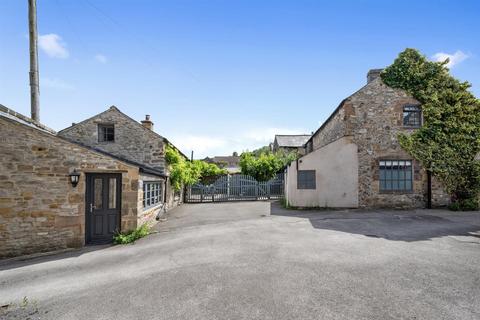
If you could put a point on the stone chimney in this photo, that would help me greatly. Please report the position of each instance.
(373, 74)
(147, 123)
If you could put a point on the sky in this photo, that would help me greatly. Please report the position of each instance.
(221, 76)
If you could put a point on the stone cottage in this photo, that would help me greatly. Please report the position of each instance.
(116, 134)
(56, 193)
(355, 160)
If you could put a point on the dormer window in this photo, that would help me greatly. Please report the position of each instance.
(106, 133)
(412, 116)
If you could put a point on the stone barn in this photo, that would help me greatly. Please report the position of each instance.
(355, 160)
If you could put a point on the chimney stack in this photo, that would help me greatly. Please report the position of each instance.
(373, 74)
(147, 123)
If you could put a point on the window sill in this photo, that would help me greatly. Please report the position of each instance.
(156, 206)
(396, 192)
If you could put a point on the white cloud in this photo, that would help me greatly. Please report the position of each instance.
(53, 45)
(454, 58)
(101, 58)
(55, 83)
(216, 145)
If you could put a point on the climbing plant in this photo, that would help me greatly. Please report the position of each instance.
(184, 172)
(449, 140)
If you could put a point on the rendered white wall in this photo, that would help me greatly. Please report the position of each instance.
(336, 166)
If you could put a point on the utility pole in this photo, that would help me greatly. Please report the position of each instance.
(34, 82)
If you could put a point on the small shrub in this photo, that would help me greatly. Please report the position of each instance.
(464, 205)
(454, 206)
(132, 236)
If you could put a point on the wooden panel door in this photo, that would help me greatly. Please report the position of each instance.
(103, 201)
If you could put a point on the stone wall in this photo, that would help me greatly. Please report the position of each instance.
(332, 130)
(39, 208)
(132, 141)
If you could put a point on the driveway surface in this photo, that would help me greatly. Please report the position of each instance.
(255, 260)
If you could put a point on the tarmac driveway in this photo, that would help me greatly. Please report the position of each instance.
(255, 260)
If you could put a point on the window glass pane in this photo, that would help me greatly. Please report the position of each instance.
(112, 193)
(408, 174)
(382, 185)
(388, 185)
(394, 174)
(382, 174)
(98, 192)
(408, 185)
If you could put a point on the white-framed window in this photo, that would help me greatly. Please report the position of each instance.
(396, 175)
(152, 193)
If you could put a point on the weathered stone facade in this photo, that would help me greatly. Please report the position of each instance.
(40, 210)
(133, 141)
(373, 117)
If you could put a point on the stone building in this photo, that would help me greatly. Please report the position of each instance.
(290, 142)
(42, 208)
(355, 160)
(117, 134)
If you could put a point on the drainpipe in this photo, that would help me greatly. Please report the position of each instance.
(429, 189)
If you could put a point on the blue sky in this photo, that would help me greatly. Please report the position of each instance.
(221, 76)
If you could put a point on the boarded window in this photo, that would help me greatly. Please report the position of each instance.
(306, 179)
(152, 193)
(412, 116)
(106, 133)
(396, 175)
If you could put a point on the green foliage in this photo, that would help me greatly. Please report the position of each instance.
(184, 172)
(132, 236)
(266, 165)
(464, 205)
(449, 139)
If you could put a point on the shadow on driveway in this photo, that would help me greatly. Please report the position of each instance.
(396, 225)
(22, 261)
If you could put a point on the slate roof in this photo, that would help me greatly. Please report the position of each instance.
(292, 140)
(230, 160)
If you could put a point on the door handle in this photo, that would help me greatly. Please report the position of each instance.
(92, 207)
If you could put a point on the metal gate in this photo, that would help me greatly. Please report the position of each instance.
(236, 187)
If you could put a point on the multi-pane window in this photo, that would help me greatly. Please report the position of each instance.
(152, 193)
(412, 116)
(396, 175)
(306, 179)
(106, 133)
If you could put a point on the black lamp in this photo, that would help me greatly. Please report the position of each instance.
(74, 177)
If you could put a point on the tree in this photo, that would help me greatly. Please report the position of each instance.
(449, 139)
(184, 172)
(266, 165)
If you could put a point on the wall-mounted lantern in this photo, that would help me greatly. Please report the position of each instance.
(74, 177)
